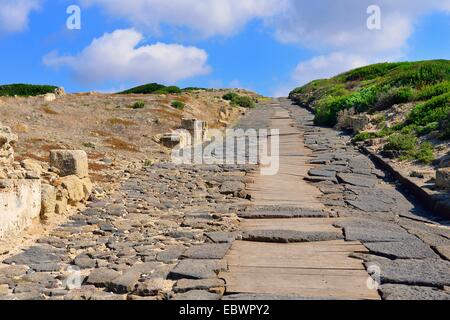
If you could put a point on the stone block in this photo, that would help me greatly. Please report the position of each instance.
(70, 162)
(20, 204)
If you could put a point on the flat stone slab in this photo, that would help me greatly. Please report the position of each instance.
(207, 251)
(321, 173)
(289, 236)
(197, 295)
(264, 297)
(367, 235)
(403, 292)
(102, 277)
(357, 180)
(370, 204)
(197, 269)
(34, 256)
(444, 251)
(222, 237)
(428, 272)
(185, 285)
(282, 214)
(402, 250)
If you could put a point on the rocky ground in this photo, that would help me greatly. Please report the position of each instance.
(409, 245)
(164, 233)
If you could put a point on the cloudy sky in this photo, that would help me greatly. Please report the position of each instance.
(269, 46)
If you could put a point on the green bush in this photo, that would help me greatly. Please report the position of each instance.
(230, 96)
(434, 110)
(178, 105)
(11, 90)
(401, 142)
(435, 90)
(445, 127)
(138, 105)
(244, 102)
(425, 154)
(152, 88)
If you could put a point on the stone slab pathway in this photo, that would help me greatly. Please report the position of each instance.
(303, 270)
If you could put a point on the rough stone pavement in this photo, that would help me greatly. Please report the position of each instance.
(164, 233)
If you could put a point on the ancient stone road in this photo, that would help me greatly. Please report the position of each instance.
(314, 231)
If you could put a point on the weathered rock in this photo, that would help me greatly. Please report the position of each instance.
(321, 173)
(74, 187)
(427, 272)
(125, 283)
(48, 201)
(357, 180)
(197, 269)
(34, 255)
(70, 162)
(185, 285)
(289, 236)
(403, 292)
(275, 214)
(153, 287)
(102, 277)
(443, 178)
(402, 250)
(197, 295)
(170, 253)
(49, 97)
(231, 187)
(207, 251)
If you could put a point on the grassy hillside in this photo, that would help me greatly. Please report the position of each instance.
(422, 87)
(11, 90)
(152, 88)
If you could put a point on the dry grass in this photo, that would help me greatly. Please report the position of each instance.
(98, 166)
(49, 110)
(21, 128)
(120, 121)
(119, 144)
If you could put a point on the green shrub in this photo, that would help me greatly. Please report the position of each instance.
(434, 110)
(425, 154)
(435, 90)
(152, 88)
(138, 105)
(178, 105)
(445, 127)
(11, 90)
(243, 101)
(401, 142)
(230, 96)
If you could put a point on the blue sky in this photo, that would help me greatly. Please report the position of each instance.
(269, 46)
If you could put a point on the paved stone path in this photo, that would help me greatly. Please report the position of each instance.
(301, 258)
(184, 232)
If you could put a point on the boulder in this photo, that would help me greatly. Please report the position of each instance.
(443, 178)
(59, 91)
(70, 162)
(75, 189)
(32, 165)
(49, 97)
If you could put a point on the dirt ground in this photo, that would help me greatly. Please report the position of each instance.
(107, 127)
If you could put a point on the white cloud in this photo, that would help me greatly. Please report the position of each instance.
(326, 66)
(14, 14)
(117, 57)
(206, 17)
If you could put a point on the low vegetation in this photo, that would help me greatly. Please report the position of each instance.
(152, 88)
(424, 87)
(178, 105)
(239, 100)
(138, 105)
(12, 90)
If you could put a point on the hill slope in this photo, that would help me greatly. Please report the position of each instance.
(407, 104)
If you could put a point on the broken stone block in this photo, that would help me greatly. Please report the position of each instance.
(49, 97)
(443, 178)
(75, 188)
(48, 201)
(70, 162)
